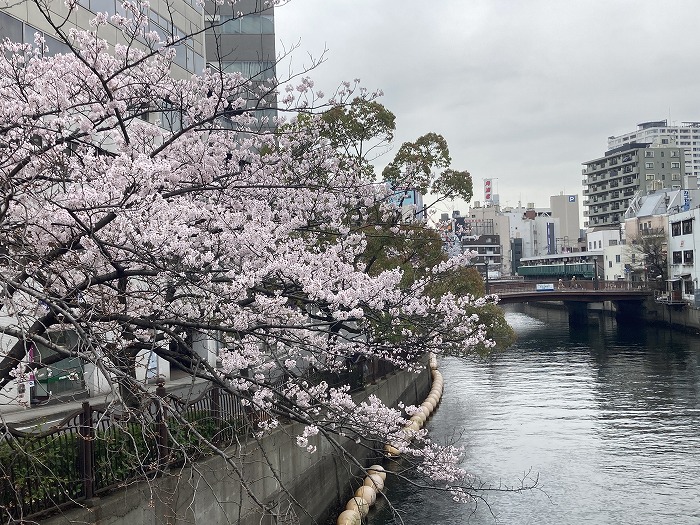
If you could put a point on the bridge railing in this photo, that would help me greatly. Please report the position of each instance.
(508, 287)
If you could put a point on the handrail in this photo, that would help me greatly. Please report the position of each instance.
(93, 450)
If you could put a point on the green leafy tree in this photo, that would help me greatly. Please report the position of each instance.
(363, 129)
(395, 242)
(425, 166)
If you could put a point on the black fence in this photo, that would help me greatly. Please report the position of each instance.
(93, 451)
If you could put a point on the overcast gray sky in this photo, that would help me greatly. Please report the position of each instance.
(524, 91)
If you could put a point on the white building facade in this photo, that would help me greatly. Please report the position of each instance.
(683, 240)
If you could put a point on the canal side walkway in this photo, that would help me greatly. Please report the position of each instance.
(50, 414)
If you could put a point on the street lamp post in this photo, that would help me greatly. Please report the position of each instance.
(486, 273)
(595, 269)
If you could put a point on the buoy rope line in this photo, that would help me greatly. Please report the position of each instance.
(358, 506)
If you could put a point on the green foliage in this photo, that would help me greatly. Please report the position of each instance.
(454, 183)
(39, 471)
(416, 163)
(124, 452)
(413, 249)
(498, 330)
(459, 281)
(359, 125)
(185, 436)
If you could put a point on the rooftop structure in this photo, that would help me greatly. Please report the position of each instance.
(686, 135)
(611, 182)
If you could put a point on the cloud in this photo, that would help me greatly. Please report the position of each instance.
(523, 91)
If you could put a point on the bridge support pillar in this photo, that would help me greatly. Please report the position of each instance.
(578, 312)
(628, 311)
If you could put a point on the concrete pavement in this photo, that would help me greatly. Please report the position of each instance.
(50, 414)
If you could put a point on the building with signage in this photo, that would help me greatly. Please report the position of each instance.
(488, 192)
(486, 229)
(566, 208)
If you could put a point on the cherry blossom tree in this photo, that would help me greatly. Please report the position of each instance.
(136, 237)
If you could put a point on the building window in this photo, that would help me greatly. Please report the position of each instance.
(650, 176)
(617, 258)
(677, 257)
(675, 176)
(649, 165)
(675, 165)
(246, 25)
(687, 226)
(609, 264)
(649, 154)
(674, 154)
(688, 285)
(258, 71)
(675, 229)
(688, 257)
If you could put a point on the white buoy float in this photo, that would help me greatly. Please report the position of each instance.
(367, 493)
(349, 517)
(358, 504)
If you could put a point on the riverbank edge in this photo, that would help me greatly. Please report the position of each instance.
(316, 483)
(682, 317)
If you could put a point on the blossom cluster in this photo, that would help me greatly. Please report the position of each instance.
(135, 237)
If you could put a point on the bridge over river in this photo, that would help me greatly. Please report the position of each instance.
(627, 296)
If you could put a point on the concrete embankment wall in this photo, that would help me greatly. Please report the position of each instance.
(677, 316)
(299, 487)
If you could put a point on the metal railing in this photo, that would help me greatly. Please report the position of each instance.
(94, 450)
(582, 285)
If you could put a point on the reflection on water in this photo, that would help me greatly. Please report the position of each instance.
(608, 417)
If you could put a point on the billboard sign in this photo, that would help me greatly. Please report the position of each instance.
(488, 194)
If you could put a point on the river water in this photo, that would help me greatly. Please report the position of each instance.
(606, 417)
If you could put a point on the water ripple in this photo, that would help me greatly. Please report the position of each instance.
(609, 419)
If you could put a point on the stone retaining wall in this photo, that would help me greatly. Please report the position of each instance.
(211, 493)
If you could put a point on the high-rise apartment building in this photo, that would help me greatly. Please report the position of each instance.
(686, 135)
(612, 181)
